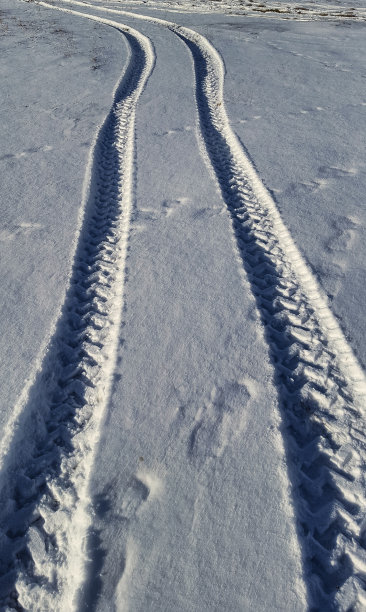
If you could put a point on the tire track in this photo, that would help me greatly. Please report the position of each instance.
(320, 384)
(44, 516)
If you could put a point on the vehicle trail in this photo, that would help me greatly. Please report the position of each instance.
(45, 513)
(321, 387)
(320, 384)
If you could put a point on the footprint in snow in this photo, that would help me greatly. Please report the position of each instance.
(22, 154)
(15, 230)
(145, 484)
(137, 492)
(333, 172)
(172, 132)
(172, 206)
(219, 421)
(344, 234)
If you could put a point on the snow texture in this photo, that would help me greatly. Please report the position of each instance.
(183, 419)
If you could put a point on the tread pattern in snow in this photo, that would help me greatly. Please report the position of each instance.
(321, 387)
(44, 520)
(321, 399)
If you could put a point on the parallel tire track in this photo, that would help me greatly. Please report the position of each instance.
(321, 386)
(44, 521)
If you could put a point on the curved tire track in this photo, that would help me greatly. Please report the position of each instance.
(43, 524)
(321, 386)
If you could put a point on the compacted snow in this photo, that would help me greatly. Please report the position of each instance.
(182, 330)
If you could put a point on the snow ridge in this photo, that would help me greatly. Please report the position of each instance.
(321, 386)
(45, 519)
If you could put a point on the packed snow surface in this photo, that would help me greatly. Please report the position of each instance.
(183, 288)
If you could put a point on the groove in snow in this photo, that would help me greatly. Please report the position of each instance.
(321, 386)
(44, 514)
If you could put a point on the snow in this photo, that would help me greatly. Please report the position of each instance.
(182, 395)
(286, 9)
(315, 124)
(179, 391)
(48, 123)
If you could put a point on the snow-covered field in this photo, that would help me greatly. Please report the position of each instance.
(183, 280)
